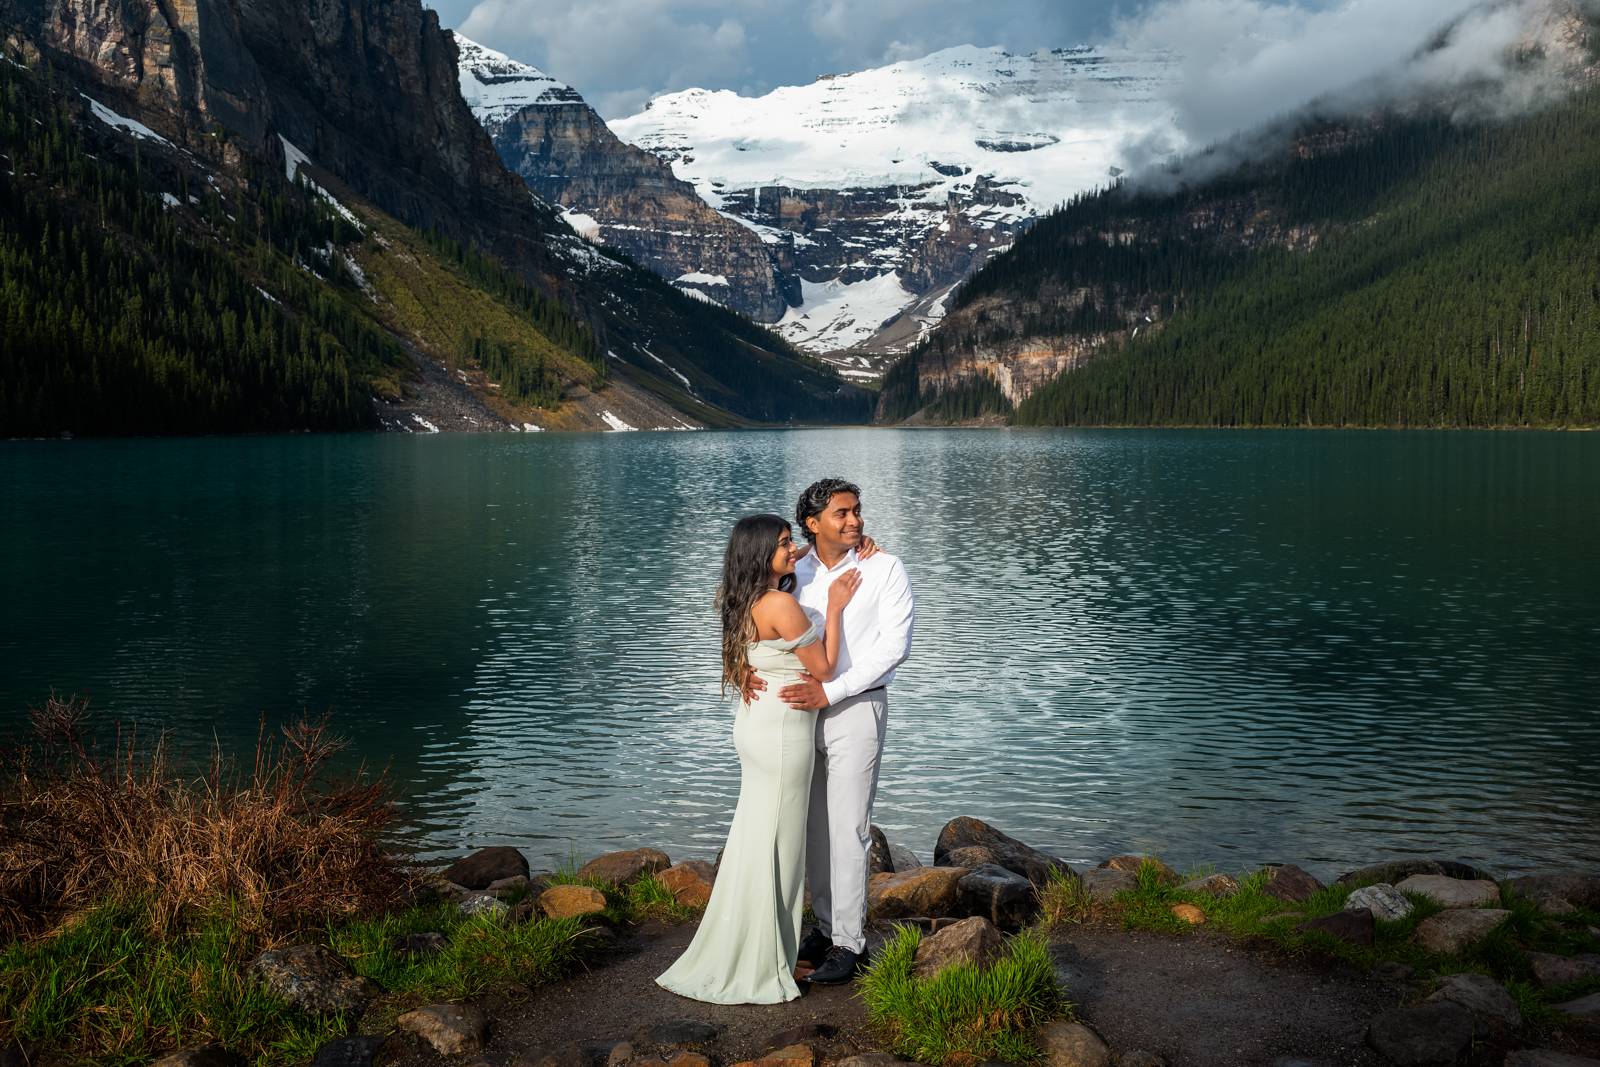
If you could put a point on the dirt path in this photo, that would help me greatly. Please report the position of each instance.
(1201, 1000)
(1206, 1000)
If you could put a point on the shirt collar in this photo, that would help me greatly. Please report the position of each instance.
(816, 561)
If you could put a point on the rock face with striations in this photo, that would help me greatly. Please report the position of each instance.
(999, 848)
(615, 193)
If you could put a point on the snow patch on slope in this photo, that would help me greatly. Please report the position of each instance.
(836, 314)
(132, 127)
(292, 160)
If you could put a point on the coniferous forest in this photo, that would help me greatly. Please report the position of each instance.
(1420, 273)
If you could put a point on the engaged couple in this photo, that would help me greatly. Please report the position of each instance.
(811, 637)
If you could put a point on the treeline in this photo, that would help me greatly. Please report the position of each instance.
(116, 319)
(1417, 273)
(1466, 294)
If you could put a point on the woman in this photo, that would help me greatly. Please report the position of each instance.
(745, 949)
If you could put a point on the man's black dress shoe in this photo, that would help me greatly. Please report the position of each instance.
(814, 948)
(840, 966)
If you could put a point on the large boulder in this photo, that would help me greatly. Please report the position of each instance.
(1558, 894)
(971, 856)
(925, 891)
(1133, 864)
(1392, 871)
(313, 979)
(486, 866)
(1072, 1045)
(1289, 883)
(1450, 892)
(1452, 932)
(689, 882)
(1584, 1013)
(1493, 1011)
(1003, 897)
(879, 859)
(452, 1029)
(1550, 969)
(1353, 927)
(1384, 901)
(571, 901)
(1216, 885)
(1435, 1032)
(904, 859)
(625, 868)
(973, 941)
(1008, 852)
(1101, 884)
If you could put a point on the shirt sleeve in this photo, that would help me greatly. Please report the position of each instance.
(896, 619)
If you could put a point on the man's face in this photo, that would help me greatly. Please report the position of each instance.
(840, 522)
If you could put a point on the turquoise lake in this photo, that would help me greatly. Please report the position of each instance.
(1226, 648)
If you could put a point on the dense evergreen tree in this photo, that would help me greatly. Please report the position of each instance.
(1418, 273)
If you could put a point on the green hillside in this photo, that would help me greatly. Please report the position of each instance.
(1421, 273)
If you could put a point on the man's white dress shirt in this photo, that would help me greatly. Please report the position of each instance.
(877, 622)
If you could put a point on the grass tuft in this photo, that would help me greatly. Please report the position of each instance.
(963, 1015)
(82, 823)
(1062, 900)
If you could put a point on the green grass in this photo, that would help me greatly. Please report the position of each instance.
(109, 989)
(1062, 901)
(643, 900)
(963, 1015)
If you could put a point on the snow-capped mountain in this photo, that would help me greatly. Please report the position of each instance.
(893, 184)
(495, 86)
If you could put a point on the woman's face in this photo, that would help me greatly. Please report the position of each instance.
(784, 555)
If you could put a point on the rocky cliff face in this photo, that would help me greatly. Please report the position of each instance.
(614, 193)
(368, 92)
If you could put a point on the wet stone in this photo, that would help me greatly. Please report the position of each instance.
(1351, 927)
(486, 866)
(1289, 883)
(1386, 903)
(1493, 1011)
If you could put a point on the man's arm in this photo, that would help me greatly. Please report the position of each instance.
(896, 619)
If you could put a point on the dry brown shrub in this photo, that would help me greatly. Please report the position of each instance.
(81, 824)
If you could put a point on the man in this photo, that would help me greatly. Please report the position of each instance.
(852, 712)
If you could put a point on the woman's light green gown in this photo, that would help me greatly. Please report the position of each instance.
(744, 951)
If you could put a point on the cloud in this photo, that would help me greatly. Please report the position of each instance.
(1251, 68)
(619, 53)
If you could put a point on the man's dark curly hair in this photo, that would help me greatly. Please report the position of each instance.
(814, 501)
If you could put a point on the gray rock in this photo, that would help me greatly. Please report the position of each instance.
(208, 1056)
(1216, 885)
(487, 865)
(1072, 1045)
(879, 858)
(313, 979)
(1103, 883)
(1353, 927)
(1557, 894)
(1550, 969)
(1543, 1057)
(904, 860)
(1493, 1011)
(482, 904)
(516, 885)
(1289, 883)
(677, 1032)
(1452, 892)
(348, 1052)
(1009, 853)
(428, 944)
(452, 1029)
(1432, 1033)
(1584, 1012)
(1452, 932)
(1003, 897)
(1386, 903)
(975, 941)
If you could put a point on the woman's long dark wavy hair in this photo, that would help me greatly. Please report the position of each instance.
(746, 572)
